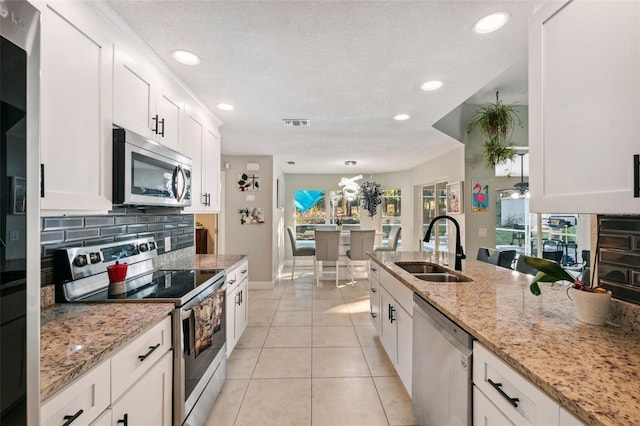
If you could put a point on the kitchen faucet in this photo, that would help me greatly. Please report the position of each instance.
(459, 252)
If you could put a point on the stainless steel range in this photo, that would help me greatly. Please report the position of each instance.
(199, 368)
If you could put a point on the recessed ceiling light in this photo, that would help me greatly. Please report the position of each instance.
(402, 117)
(350, 163)
(490, 22)
(225, 107)
(291, 163)
(432, 85)
(186, 57)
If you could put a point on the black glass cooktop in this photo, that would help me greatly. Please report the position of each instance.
(161, 284)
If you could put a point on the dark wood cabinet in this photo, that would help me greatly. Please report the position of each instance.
(201, 241)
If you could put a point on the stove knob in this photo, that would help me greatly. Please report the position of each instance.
(152, 245)
(94, 257)
(143, 247)
(80, 260)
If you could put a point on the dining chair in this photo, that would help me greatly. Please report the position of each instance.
(360, 242)
(297, 250)
(351, 227)
(392, 245)
(327, 243)
(503, 258)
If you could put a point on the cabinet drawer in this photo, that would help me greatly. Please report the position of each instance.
(533, 407)
(137, 357)
(402, 294)
(237, 274)
(85, 398)
(374, 271)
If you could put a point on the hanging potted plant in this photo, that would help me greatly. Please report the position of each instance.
(371, 197)
(496, 121)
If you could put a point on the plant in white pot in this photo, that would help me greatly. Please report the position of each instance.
(592, 303)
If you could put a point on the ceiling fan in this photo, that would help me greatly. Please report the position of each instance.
(521, 188)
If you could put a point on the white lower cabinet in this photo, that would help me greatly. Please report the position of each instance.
(237, 302)
(145, 403)
(502, 396)
(119, 391)
(374, 296)
(396, 325)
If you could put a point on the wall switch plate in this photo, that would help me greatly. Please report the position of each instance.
(251, 197)
(482, 232)
(14, 235)
(167, 244)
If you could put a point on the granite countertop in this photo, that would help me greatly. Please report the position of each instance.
(206, 261)
(74, 337)
(592, 371)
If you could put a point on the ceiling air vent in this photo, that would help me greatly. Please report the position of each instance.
(295, 122)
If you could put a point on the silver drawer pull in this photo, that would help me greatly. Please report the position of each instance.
(151, 349)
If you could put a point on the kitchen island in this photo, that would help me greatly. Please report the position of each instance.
(591, 371)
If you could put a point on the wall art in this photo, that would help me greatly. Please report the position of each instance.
(251, 215)
(249, 182)
(479, 195)
(454, 198)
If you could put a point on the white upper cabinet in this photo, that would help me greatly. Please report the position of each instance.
(76, 124)
(202, 145)
(584, 96)
(145, 103)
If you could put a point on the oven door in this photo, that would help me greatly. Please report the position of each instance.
(148, 173)
(203, 337)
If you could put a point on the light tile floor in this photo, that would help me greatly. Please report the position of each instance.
(310, 356)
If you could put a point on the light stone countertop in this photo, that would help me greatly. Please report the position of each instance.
(74, 337)
(591, 371)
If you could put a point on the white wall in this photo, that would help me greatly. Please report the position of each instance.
(449, 166)
(256, 241)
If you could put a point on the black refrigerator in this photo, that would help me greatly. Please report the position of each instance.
(19, 212)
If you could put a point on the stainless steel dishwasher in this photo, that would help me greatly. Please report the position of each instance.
(441, 374)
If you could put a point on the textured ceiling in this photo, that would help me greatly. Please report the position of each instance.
(347, 66)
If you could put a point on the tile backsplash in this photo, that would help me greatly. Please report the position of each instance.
(72, 231)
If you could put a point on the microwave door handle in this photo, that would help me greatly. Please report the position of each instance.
(179, 192)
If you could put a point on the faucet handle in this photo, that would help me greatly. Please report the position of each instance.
(461, 255)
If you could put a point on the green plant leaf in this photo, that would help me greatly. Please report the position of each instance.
(549, 271)
(535, 289)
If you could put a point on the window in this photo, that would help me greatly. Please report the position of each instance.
(348, 212)
(434, 198)
(391, 211)
(310, 211)
(564, 237)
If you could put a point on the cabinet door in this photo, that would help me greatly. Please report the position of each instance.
(232, 298)
(133, 96)
(170, 105)
(193, 144)
(148, 401)
(388, 324)
(211, 169)
(76, 84)
(485, 413)
(104, 419)
(242, 310)
(374, 304)
(584, 97)
(405, 347)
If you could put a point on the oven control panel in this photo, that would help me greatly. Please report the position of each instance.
(92, 260)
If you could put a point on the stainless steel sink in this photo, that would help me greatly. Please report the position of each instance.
(421, 267)
(442, 277)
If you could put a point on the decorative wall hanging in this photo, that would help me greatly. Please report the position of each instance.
(479, 195)
(249, 182)
(454, 198)
(371, 197)
(251, 215)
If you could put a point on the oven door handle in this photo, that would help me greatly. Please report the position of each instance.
(186, 314)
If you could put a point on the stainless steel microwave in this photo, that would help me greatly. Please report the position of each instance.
(148, 174)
